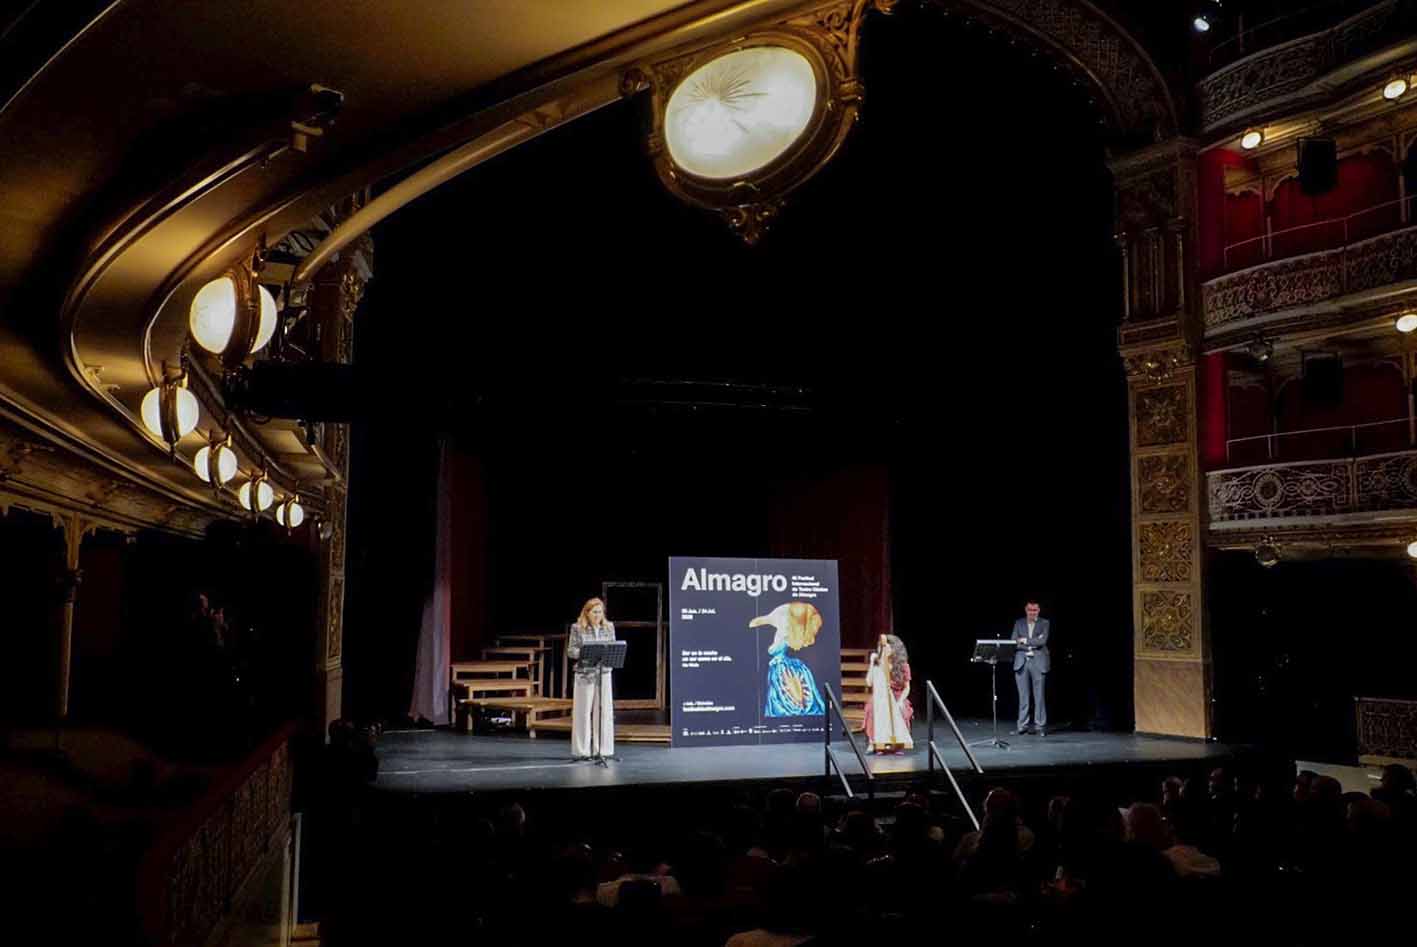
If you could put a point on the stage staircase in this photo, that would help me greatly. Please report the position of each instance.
(513, 676)
(854, 664)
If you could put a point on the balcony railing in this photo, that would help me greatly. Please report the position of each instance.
(1245, 88)
(1288, 25)
(1270, 492)
(1310, 279)
(1314, 443)
(1334, 233)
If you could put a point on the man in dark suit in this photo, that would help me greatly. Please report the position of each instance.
(1031, 666)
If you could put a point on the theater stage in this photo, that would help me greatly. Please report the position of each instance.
(439, 761)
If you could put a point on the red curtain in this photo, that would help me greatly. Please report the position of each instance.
(1213, 409)
(843, 515)
(1364, 181)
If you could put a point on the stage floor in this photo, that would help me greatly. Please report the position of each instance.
(447, 761)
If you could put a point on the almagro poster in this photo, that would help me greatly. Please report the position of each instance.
(751, 643)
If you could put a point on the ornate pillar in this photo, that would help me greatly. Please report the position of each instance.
(74, 528)
(1156, 232)
(337, 289)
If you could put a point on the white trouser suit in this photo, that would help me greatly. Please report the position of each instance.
(584, 711)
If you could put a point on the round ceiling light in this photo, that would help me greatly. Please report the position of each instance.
(1395, 89)
(264, 495)
(213, 320)
(738, 113)
(1252, 139)
(1407, 322)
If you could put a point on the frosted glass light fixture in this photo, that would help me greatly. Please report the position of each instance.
(223, 464)
(170, 411)
(738, 113)
(218, 311)
(290, 513)
(1395, 89)
(1406, 322)
(265, 496)
(1252, 139)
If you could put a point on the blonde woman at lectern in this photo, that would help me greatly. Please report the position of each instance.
(591, 626)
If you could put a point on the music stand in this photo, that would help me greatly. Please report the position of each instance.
(600, 655)
(991, 651)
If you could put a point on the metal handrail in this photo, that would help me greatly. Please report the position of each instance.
(1352, 430)
(1268, 238)
(932, 699)
(831, 760)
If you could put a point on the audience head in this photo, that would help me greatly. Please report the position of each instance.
(1145, 826)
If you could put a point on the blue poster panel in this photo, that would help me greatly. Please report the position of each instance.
(751, 643)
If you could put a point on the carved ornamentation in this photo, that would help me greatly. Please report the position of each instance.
(1256, 80)
(1163, 415)
(1165, 551)
(1166, 624)
(1158, 364)
(207, 869)
(1141, 105)
(1320, 488)
(334, 623)
(1386, 481)
(1148, 200)
(751, 221)
(1381, 261)
(1270, 287)
(1163, 484)
(1387, 728)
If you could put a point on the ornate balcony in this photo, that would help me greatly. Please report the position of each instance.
(1287, 76)
(1267, 292)
(1374, 496)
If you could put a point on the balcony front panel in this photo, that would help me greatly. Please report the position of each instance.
(1231, 302)
(1326, 488)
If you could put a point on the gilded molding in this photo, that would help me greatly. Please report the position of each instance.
(1163, 415)
(1166, 623)
(1163, 484)
(1165, 551)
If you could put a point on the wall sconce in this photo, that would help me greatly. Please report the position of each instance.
(233, 316)
(169, 411)
(1252, 139)
(736, 128)
(1395, 88)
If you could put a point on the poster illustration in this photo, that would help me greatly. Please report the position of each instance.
(751, 643)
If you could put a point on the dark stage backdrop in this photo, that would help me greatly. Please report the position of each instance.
(949, 280)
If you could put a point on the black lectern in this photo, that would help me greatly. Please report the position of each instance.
(598, 655)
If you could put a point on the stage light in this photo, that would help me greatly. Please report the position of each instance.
(738, 113)
(265, 496)
(170, 411)
(1252, 139)
(230, 309)
(290, 513)
(1201, 23)
(1406, 322)
(216, 458)
(1395, 89)
(1412, 549)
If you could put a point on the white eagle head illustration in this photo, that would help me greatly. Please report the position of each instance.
(796, 625)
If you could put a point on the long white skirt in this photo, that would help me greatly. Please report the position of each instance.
(584, 712)
(889, 729)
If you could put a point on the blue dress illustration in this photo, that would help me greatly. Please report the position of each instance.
(792, 688)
